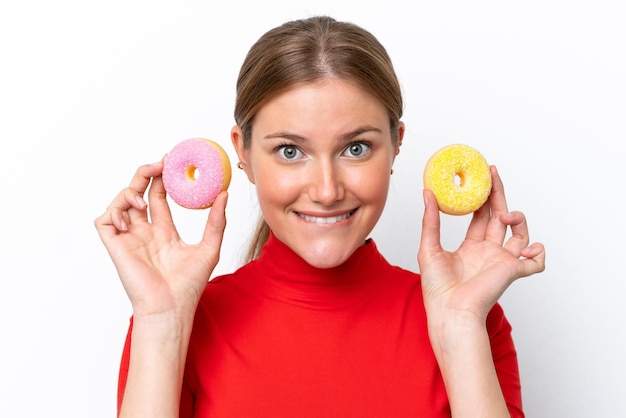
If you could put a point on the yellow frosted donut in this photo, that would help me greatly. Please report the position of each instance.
(459, 177)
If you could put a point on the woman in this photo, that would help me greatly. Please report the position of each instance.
(317, 323)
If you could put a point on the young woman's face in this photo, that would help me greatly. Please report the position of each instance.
(321, 156)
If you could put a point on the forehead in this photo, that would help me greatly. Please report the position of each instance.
(330, 102)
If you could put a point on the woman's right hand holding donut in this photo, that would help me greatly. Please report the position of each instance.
(164, 278)
(159, 271)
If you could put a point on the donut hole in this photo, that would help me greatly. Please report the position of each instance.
(459, 179)
(192, 173)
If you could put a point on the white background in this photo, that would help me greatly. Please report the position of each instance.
(91, 90)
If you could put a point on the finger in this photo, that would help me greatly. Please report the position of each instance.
(215, 226)
(478, 225)
(431, 228)
(534, 260)
(496, 230)
(519, 232)
(137, 188)
(159, 207)
(535, 251)
(106, 225)
(143, 176)
(116, 214)
(120, 219)
(130, 198)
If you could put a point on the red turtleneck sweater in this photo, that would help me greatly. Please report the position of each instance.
(279, 338)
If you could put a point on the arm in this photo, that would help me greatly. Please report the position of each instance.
(461, 287)
(164, 278)
(505, 359)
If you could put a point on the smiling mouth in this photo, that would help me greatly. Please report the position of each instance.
(326, 219)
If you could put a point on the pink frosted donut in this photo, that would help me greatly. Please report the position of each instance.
(195, 171)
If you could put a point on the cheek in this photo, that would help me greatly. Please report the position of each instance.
(274, 186)
(372, 187)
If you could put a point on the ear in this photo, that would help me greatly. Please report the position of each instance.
(236, 136)
(401, 129)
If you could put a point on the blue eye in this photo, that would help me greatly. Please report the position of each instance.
(288, 152)
(357, 149)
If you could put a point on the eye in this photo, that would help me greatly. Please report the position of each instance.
(357, 149)
(288, 152)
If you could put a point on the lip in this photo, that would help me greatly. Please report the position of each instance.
(326, 218)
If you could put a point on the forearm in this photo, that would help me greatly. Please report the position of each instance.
(464, 355)
(157, 361)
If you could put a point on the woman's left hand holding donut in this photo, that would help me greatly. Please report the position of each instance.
(461, 287)
(471, 279)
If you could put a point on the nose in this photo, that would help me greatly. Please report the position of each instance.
(326, 183)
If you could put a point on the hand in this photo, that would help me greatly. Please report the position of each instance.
(159, 271)
(467, 283)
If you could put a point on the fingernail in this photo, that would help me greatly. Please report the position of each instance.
(124, 225)
(142, 203)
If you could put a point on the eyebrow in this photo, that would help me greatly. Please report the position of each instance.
(343, 138)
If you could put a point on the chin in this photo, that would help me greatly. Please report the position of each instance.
(325, 263)
(327, 256)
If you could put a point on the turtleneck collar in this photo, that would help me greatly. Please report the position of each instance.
(289, 276)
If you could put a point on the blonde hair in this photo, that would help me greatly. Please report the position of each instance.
(305, 51)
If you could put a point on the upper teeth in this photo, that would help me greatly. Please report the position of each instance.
(325, 220)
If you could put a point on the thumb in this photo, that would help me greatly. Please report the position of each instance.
(431, 227)
(215, 226)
